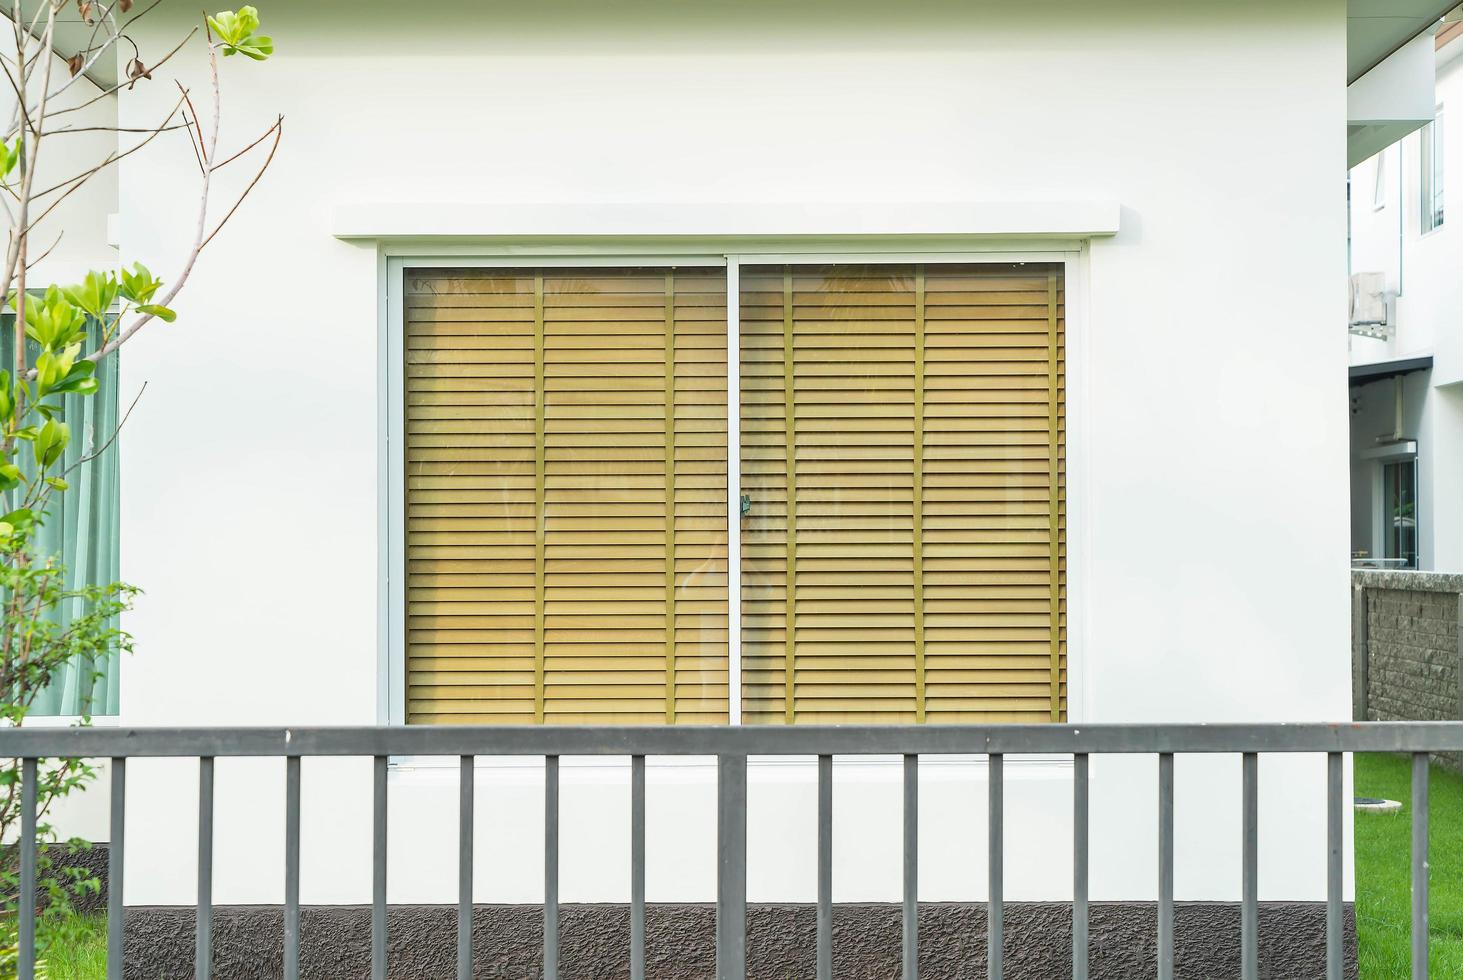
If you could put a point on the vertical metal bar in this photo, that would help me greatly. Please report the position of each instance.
(378, 869)
(670, 497)
(116, 857)
(551, 867)
(917, 539)
(1080, 816)
(1165, 866)
(1334, 831)
(1420, 866)
(466, 775)
(789, 408)
(734, 489)
(731, 867)
(996, 864)
(203, 953)
(292, 868)
(1359, 644)
(637, 867)
(540, 517)
(825, 867)
(911, 867)
(1249, 897)
(1054, 498)
(26, 960)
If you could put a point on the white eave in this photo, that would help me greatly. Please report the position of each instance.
(731, 220)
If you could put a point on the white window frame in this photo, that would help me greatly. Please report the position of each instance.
(395, 261)
(1430, 173)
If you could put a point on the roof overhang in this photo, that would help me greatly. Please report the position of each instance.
(1361, 374)
(1378, 29)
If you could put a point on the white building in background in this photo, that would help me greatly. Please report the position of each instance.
(1103, 167)
(1407, 338)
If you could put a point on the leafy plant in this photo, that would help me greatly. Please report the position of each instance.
(62, 332)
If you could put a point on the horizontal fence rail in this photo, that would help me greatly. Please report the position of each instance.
(731, 747)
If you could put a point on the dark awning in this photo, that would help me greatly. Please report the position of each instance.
(1360, 374)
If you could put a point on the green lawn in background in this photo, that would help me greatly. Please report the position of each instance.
(80, 952)
(1383, 865)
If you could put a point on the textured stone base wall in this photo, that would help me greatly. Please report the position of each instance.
(1405, 634)
(781, 939)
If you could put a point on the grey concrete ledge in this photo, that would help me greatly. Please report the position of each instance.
(1380, 578)
(680, 942)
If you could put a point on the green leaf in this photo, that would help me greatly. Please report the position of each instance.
(56, 483)
(50, 442)
(235, 32)
(6, 531)
(52, 321)
(94, 294)
(161, 312)
(138, 285)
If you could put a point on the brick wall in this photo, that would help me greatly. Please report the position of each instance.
(1406, 648)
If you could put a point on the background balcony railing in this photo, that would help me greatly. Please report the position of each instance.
(731, 746)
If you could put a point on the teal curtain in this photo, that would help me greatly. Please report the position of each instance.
(82, 529)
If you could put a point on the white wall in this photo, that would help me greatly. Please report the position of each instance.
(251, 468)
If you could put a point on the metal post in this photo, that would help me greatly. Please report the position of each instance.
(996, 846)
(203, 955)
(116, 854)
(292, 868)
(1420, 866)
(1080, 817)
(911, 867)
(26, 960)
(1334, 829)
(378, 869)
(731, 867)
(637, 868)
(1249, 898)
(551, 867)
(825, 868)
(1165, 866)
(465, 787)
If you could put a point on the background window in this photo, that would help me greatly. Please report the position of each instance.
(1399, 513)
(1431, 146)
(82, 530)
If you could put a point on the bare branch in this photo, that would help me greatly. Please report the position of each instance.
(114, 129)
(110, 439)
(40, 258)
(261, 138)
(111, 158)
(192, 144)
(278, 128)
(127, 84)
(194, 113)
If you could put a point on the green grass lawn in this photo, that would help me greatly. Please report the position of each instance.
(1383, 863)
(80, 953)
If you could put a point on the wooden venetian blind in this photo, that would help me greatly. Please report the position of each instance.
(902, 443)
(566, 496)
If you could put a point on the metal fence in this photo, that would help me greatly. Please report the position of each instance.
(731, 746)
